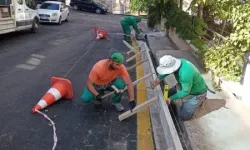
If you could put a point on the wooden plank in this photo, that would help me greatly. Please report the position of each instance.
(137, 109)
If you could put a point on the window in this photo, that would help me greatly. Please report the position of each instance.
(5, 2)
(63, 6)
(20, 2)
(50, 6)
(31, 4)
(88, 1)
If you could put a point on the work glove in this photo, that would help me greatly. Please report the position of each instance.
(97, 102)
(98, 97)
(132, 104)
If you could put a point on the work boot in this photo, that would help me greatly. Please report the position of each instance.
(97, 104)
(118, 106)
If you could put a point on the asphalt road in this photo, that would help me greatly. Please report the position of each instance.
(28, 61)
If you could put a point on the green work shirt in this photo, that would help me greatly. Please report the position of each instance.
(190, 79)
(131, 21)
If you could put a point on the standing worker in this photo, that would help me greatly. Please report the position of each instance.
(193, 89)
(128, 21)
(104, 77)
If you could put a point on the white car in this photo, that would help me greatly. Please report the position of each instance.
(53, 12)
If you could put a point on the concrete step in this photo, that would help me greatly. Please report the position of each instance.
(6, 24)
(6, 21)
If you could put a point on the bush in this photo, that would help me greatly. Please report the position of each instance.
(155, 12)
(188, 27)
(227, 58)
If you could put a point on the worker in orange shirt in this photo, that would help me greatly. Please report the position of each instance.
(104, 77)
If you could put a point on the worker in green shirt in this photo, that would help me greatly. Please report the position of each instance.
(193, 89)
(128, 21)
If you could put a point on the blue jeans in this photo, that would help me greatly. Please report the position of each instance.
(190, 105)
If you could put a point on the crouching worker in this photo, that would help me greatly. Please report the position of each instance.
(104, 77)
(193, 89)
(128, 21)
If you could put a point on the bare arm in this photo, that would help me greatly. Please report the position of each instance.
(91, 87)
(130, 86)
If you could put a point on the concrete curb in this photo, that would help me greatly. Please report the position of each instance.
(170, 133)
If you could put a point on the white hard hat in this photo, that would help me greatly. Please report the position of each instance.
(168, 64)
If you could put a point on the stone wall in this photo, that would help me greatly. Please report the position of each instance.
(178, 41)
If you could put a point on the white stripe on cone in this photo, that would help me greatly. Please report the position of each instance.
(42, 103)
(55, 92)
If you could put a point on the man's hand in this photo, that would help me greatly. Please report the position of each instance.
(168, 101)
(156, 82)
(97, 101)
(129, 35)
(98, 97)
(121, 91)
(132, 104)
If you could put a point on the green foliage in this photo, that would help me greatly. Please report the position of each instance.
(201, 46)
(225, 58)
(156, 9)
(139, 5)
(188, 27)
(241, 23)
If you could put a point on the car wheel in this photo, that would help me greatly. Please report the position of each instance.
(75, 7)
(67, 19)
(60, 20)
(98, 11)
(35, 25)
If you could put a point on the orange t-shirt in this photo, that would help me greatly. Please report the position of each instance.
(101, 74)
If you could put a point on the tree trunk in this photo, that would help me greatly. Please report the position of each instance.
(200, 10)
(181, 4)
(224, 23)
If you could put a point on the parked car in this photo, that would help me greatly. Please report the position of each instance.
(88, 5)
(53, 12)
(17, 15)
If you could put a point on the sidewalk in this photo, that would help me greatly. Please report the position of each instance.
(222, 124)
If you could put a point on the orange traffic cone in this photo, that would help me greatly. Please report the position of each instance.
(60, 88)
(99, 36)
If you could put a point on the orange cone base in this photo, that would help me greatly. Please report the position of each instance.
(67, 83)
(55, 82)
